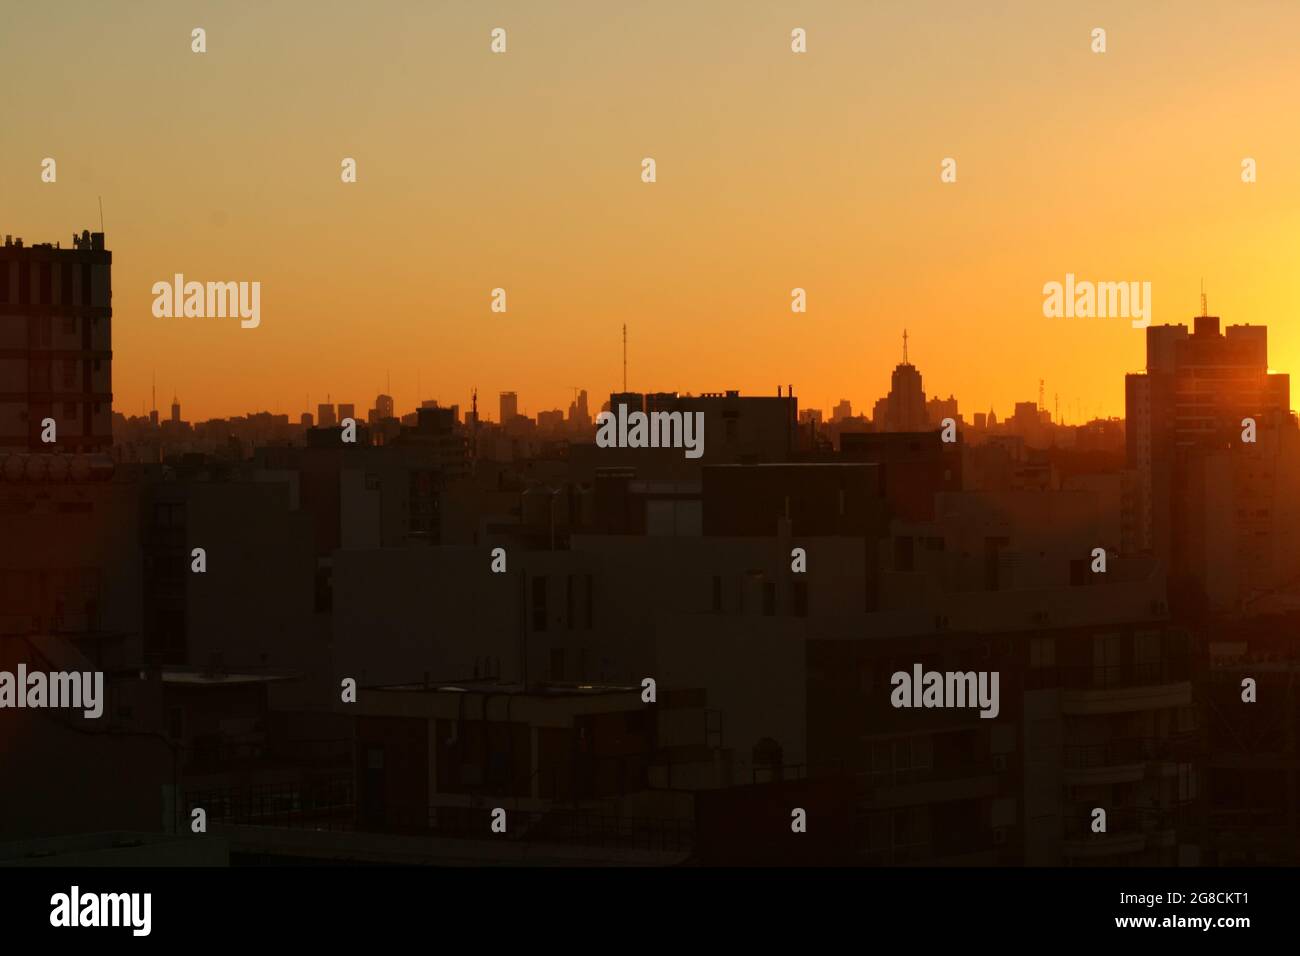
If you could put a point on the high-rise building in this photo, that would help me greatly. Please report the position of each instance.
(176, 409)
(56, 325)
(509, 407)
(937, 409)
(325, 417)
(347, 410)
(579, 415)
(903, 409)
(1207, 498)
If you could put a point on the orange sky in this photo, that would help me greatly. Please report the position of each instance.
(775, 170)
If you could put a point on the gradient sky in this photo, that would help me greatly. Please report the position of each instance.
(775, 170)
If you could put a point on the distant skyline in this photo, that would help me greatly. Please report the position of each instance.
(775, 171)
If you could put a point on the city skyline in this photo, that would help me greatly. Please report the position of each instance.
(764, 185)
(816, 434)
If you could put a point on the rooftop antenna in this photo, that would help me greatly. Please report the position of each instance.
(153, 391)
(1204, 307)
(1040, 394)
(101, 213)
(625, 357)
(473, 399)
(905, 362)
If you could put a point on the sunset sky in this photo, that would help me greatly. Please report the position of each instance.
(775, 170)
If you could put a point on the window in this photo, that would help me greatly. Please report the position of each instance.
(70, 410)
(800, 598)
(24, 284)
(539, 603)
(903, 553)
(568, 603)
(47, 284)
(69, 373)
(65, 289)
(4, 282)
(39, 329)
(1106, 659)
(769, 598)
(69, 325)
(557, 663)
(591, 601)
(717, 594)
(1078, 572)
(85, 283)
(1042, 652)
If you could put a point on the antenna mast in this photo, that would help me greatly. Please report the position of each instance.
(1204, 307)
(905, 362)
(624, 356)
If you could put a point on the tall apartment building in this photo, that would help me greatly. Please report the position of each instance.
(509, 407)
(56, 345)
(1208, 502)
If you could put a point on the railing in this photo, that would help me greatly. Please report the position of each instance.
(1106, 676)
(332, 805)
(1126, 750)
(1127, 821)
(902, 776)
(321, 805)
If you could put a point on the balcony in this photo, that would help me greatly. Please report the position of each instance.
(1116, 688)
(1130, 831)
(1124, 760)
(1117, 761)
(911, 786)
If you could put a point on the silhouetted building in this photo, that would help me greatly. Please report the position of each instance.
(914, 467)
(1208, 499)
(903, 409)
(56, 345)
(509, 407)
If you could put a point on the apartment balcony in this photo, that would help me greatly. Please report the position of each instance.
(1117, 761)
(901, 787)
(1116, 689)
(1133, 835)
(1126, 760)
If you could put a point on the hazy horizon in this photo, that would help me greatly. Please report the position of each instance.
(774, 171)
